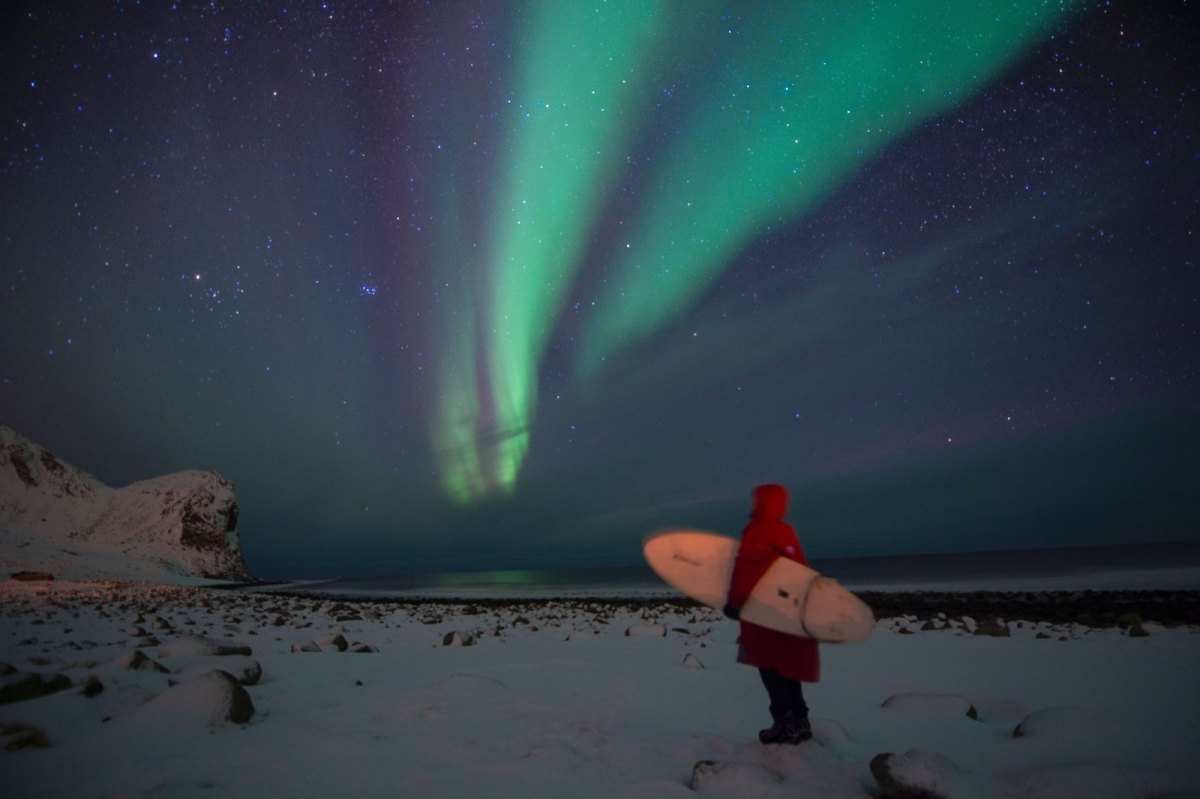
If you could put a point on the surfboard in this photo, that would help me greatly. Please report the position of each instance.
(791, 597)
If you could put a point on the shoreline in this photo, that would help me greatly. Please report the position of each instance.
(1098, 608)
(1104, 607)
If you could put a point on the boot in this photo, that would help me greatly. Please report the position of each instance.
(797, 730)
(787, 729)
(777, 733)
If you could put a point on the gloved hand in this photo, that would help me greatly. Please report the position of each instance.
(731, 612)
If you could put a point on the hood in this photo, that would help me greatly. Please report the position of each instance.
(770, 502)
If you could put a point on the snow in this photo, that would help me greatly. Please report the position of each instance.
(57, 518)
(552, 698)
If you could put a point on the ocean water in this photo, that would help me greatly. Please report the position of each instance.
(1165, 566)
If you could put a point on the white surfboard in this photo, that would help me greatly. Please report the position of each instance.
(790, 597)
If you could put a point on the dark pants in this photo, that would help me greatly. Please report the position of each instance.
(787, 697)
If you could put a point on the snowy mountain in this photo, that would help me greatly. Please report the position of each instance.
(59, 519)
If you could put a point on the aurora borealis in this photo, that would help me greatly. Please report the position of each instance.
(575, 73)
(515, 282)
(797, 103)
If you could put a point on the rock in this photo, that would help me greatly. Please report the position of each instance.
(581, 633)
(933, 624)
(993, 627)
(1127, 620)
(742, 778)
(193, 645)
(916, 774)
(92, 688)
(136, 660)
(647, 631)
(32, 576)
(17, 687)
(211, 698)
(703, 773)
(947, 704)
(362, 648)
(22, 736)
(692, 662)
(458, 639)
(1064, 722)
(305, 646)
(245, 670)
(336, 641)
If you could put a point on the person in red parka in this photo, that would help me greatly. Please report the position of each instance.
(783, 660)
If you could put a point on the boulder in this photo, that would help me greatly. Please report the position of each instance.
(692, 662)
(458, 639)
(1126, 620)
(945, 704)
(734, 778)
(32, 576)
(211, 698)
(647, 631)
(22, 736)
(194, 645)
(245, 670)
(916, 774)
(1064, 722)
(17, 686)
(136, 660)
(704, 772)
(336, 641)
(997, 628)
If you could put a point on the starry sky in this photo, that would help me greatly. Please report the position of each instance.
(477, 285)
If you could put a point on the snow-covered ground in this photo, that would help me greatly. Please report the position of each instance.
(567, 698)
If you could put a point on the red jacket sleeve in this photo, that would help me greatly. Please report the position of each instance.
(762, 543)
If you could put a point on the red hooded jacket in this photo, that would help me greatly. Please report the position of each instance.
(766, 538)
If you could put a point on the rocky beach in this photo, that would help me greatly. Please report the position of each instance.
(148, 689)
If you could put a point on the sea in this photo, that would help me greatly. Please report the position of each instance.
(1157, 566)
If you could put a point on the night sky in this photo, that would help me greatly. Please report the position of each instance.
(507, 285)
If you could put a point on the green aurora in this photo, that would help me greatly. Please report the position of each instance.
(807, 95)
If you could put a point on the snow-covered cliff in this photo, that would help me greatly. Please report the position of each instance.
(60, 519)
